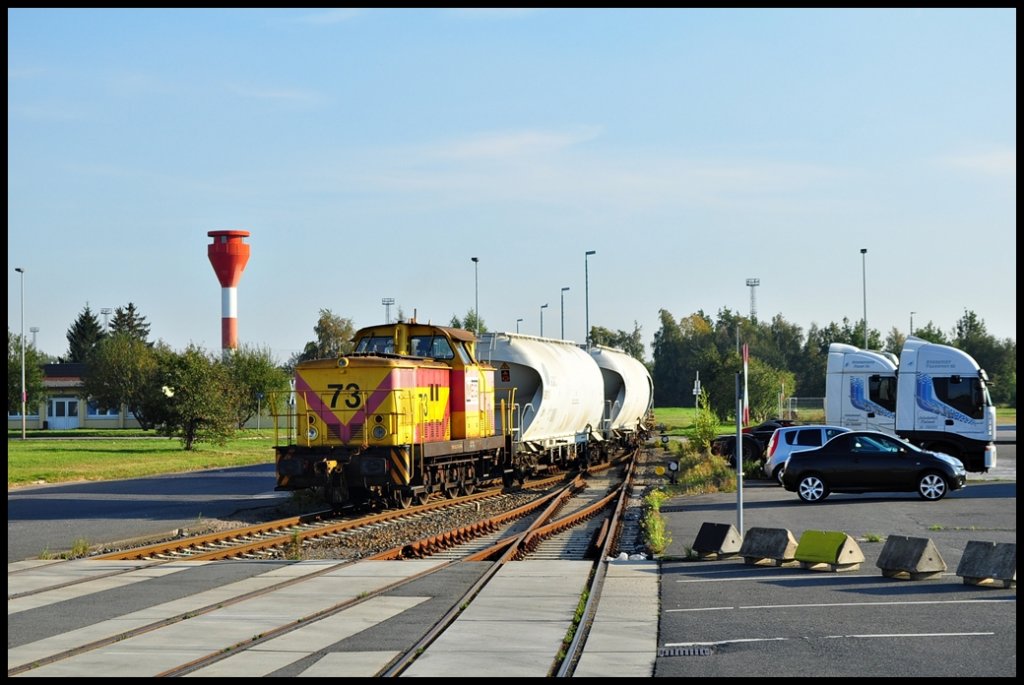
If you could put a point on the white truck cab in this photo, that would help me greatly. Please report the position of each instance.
(935, 396)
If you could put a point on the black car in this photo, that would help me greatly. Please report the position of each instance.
(869, 461)
(763, 431)
(725, 446)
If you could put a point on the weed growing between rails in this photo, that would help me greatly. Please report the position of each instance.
(656, 536)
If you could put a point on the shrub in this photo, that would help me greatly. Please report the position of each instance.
(705, 423)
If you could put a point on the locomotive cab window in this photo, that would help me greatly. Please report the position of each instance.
(421, 345)
(433, 346)
(441, 349)
(464, 354)
(380, 344)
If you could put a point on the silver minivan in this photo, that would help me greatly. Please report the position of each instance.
(785, 441)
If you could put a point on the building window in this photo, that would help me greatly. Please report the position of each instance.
(28, 414)
(96, 410)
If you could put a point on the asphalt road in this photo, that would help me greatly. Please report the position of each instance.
(52, 518)
(730, 619)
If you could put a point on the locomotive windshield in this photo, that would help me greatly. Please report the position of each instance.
(381, 344)
(434, 346)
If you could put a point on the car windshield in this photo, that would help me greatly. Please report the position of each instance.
(881, 443)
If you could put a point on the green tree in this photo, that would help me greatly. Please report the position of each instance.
(35, 391)
(257, 378)
(894, 341)
(811, 365)
(468, 323)
(931, 333)
(764, 383)
(201, 402)
(83, 335)
(121, 371)
(630, 343)
(127, 320)
(669, 372)
(784, 360)
(333, 338)
(149, 404)
(999, 359)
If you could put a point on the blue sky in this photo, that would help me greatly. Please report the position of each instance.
(373, 153)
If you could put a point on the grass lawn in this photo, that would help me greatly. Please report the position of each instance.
(94, 455)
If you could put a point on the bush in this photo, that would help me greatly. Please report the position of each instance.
(705, 423)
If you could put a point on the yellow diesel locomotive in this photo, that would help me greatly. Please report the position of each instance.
(409, 413)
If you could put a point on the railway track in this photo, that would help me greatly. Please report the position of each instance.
(311, 604)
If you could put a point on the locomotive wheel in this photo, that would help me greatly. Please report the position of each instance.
(449, 489)
(334, 494)
(402, 499)
(467, 484)
(424, 494)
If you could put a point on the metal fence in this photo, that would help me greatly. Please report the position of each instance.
(804, 409)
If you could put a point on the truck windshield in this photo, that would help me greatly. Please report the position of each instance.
(965, 394)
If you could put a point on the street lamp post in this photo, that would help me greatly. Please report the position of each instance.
(24, 396)
(476, 294)
(864, 273)
(542, 308)
(912, 322)
(563, 311)
(586, 290)
(518, 321)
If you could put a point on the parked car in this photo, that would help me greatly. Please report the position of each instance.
(725, 446)
(763, 431)
(791, 439)
(870, 461)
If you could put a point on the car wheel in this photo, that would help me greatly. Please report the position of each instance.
(812, 489)
(777, 474)
(932, 486)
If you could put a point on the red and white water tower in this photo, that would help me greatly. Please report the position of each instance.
(229, 255)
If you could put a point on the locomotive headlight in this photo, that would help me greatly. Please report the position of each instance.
(312, 433)
(379, 432)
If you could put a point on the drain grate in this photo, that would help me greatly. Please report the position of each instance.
(685, 651)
